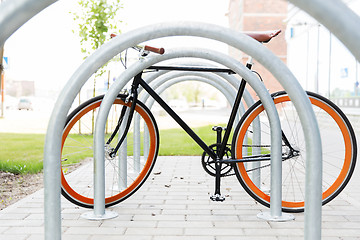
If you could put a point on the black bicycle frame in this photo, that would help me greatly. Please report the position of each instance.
(138, 81)
(220, 152)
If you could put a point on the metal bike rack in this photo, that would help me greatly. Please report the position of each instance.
(52, 148)
(239, 69)
(14, 13)
(342, 22)
(99, 208)
(326, 12)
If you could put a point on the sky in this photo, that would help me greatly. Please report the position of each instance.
(45, 49)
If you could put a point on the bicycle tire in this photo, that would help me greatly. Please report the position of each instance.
(338, 145)
(77, 145)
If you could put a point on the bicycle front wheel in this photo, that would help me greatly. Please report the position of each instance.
(253, 138)
(125, 173)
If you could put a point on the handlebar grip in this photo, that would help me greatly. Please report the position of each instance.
(154, 49)
(146, 47)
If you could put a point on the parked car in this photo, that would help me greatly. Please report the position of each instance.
(25, 103)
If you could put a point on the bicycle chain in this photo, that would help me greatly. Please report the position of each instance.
(232, 174)
(260, 145)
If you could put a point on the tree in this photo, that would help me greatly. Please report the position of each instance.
(96, 19)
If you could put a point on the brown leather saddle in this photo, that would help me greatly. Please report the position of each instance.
(263, 36)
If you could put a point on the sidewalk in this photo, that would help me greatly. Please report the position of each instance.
(175, 205)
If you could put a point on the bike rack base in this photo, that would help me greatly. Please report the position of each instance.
(92, 216)
(283, 218)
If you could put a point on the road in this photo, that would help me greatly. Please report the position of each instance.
(36, 121)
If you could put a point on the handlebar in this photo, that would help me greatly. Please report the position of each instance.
(146, 47)
(154, 49)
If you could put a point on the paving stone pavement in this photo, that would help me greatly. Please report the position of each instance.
(175, 205)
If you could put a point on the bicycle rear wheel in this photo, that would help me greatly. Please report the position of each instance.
(338, 145)
(125, 173)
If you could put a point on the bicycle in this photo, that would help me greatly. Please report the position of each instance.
(129, 164)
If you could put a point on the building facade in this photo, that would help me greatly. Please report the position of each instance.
(260, 15)
(318, 59)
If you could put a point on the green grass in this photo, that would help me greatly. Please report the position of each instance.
(23, 153)
(176, 142)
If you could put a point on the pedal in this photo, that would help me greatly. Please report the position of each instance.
(217, 198)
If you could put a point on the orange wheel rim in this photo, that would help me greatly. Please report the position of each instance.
(339, 180)
(140, 177)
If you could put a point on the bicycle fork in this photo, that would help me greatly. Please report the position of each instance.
(134, 95)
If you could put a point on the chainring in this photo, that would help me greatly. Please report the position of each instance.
(209, 164)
